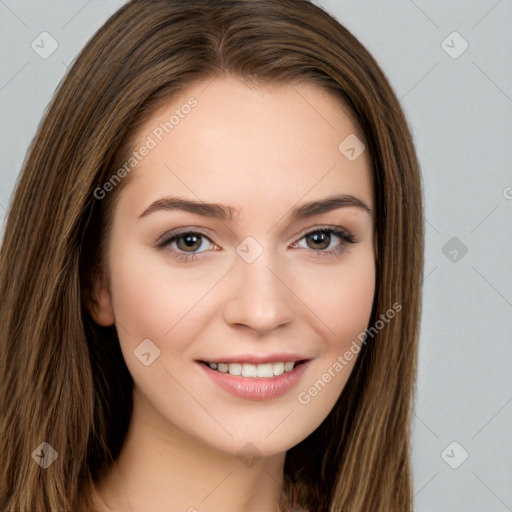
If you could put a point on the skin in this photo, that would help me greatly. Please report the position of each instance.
(263, 150)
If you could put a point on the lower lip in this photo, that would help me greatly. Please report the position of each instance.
(256, 388)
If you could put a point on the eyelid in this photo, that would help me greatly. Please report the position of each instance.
(338, 230)
(173, 233)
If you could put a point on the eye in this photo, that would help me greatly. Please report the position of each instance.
(321, 239)
(185, 244)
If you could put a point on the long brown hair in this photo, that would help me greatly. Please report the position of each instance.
(63, 377)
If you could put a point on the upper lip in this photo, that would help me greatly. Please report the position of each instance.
(257, 358)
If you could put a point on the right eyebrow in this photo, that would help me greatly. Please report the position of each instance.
(215, 210)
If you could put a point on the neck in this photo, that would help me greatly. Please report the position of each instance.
(162, 469)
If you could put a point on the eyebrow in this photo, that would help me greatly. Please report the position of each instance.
(227, 213)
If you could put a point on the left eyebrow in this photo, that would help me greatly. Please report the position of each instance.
(227, 213)
(326, 205)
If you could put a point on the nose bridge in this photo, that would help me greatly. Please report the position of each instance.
(259, 298)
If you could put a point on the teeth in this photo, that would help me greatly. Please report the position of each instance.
(235, 369)
(249, 370)
(265, 370)
(278, 368)
(288, 367)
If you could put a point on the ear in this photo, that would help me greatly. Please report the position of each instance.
(100, 305)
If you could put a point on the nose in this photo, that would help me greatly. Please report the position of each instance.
(259, 297)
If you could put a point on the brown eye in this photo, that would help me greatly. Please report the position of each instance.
(191, 242)
(319, 240)
(185, 244)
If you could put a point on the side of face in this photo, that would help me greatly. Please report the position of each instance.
(255, 283)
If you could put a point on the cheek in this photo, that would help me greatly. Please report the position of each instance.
(153, 301)
(149, 299)
(344, 305)
(343, 300)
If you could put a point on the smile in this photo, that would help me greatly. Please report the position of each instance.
(251, 381)
(266, 370)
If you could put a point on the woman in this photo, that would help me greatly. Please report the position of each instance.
(172, 335)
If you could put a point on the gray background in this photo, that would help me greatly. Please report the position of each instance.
(459, 110)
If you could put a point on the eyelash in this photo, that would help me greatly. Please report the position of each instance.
(341, 233)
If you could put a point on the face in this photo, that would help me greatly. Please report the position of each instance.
(258, 280)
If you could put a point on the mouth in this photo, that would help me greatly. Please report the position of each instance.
(256, 377)
(253, 370)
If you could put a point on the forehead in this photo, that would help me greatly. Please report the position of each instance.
(225, 141)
